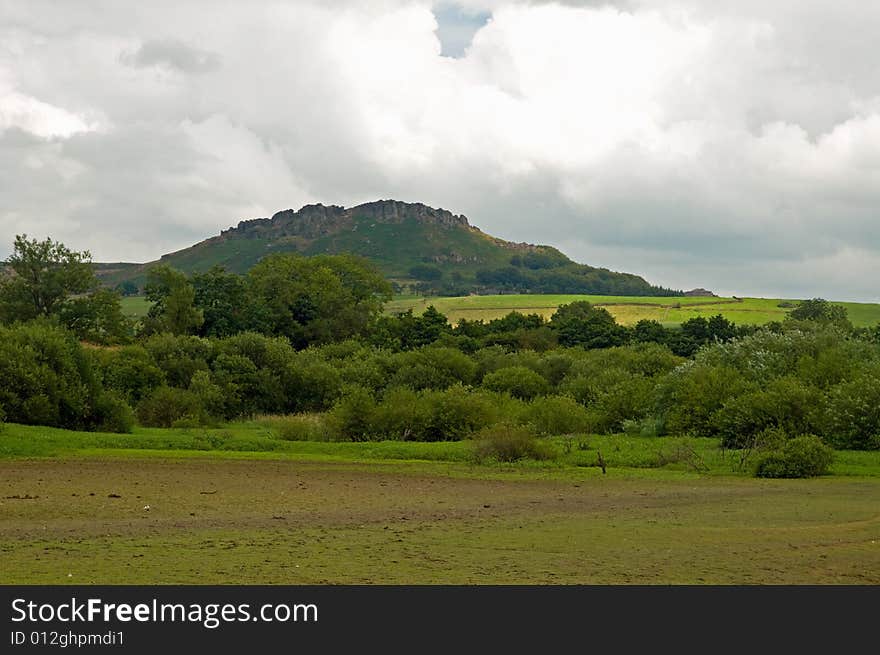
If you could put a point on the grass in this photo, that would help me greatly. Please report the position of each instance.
(626, 309)
(630, 455)
(99, 520)
(135, 307)
(237, 505)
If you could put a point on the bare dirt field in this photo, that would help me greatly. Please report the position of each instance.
(157, 520)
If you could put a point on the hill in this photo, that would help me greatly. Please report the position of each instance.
(419, 248)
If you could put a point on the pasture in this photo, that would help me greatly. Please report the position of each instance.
(236, 504)
(628, 310)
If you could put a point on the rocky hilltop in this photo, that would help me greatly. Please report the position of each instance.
(315, 221)
(420, 248)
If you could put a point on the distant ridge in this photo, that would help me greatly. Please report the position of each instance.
(421, 249)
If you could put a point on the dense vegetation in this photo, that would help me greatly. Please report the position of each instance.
(304, 338)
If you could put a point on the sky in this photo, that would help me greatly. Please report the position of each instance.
(731, 146)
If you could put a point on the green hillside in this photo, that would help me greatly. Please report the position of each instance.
(419, 248)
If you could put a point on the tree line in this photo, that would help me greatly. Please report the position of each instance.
(305, 336)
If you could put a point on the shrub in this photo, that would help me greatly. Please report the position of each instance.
(212, 398)
(45, 377)
(557, 415)
(518, 381)
(403, 414)
(432, 368)
(628, 399)
(352, 416)
(179, 357)
(313, 386)
(506, 442)
(112, 414)
(801, 457)
(786, 403)
(850, 415)
(692, 395)
(457, 413)
(165, 406)
(130, 371)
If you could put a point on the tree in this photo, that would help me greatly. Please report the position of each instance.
(582, 324)
(173, 299)
(43, 275)
(96, 317)
(127, 288)
(317, 299)
(819, 309)
(224, 302)
(647, 330)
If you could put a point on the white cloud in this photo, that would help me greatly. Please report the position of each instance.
(734, 147)
(37, 117)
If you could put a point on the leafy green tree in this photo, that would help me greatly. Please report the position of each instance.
(819, 309)
(46, 377)
(127, 288)
(225, 304)
(129, 371)
(518, 381)
(96, 317)
(173, 298)
(850, 416)
(318, 299)
(44, 274)
(406, 331)
(581, 324)
(647, 330)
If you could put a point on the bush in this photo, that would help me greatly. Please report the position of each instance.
(211, 397)
(403, 414)
(179, 357)
(432, 368)
(457, 413)
(518, 381)
(352, 416)
(166, 406)
(112, 414)
(506, 442)
(130, 371)
(313, 387)
(801, 457)
(557, 415)
(628, 399)
(850, 415)
(45, 377)
(786, 403)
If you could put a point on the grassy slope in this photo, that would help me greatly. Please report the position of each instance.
(395, 248)
(384, 513)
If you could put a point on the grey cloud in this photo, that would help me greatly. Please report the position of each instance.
(174, 54)
(751, 169)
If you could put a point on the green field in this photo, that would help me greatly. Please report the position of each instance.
(626, 309)
(237, 505)
(135, 306)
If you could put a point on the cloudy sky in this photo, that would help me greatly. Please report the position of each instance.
(734, 146)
